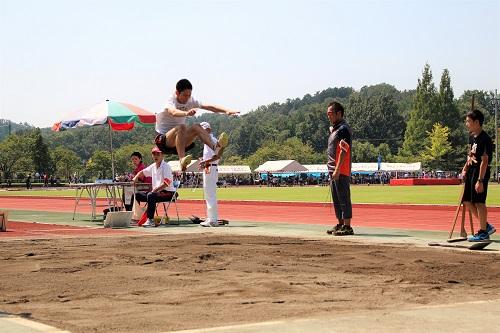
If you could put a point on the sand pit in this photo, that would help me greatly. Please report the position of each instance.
(172, 282)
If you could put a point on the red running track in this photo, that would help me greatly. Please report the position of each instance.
(413, 217)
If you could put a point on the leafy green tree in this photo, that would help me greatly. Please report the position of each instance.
(375, 118)
(99, 165)
(291, 149)
(66, 162)
(422, 117)
(381, 89)
(40, 153)
(12, 149)
(405, 100)
(249, 136)
(450, 117)
(448, 111)
(434, 155)
(233, 160)
(363, 152)
(24, 165)
(313, 128)
(385, 152)
(482, 102)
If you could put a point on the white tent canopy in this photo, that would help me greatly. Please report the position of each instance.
(234, 169)
(223, 169)
(365, 167)
(281, 166)
(370, 167)
(401, 167)
(387, 167)
(176, 166)
(315, 168)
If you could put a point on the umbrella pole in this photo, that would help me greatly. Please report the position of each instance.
(112, 155)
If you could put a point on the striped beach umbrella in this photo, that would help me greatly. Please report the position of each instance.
(118, 115)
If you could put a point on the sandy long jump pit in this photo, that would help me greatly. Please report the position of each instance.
(172, 282)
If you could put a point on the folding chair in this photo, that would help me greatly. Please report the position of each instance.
(166, 204)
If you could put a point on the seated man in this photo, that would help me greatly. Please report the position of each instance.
(162, 185)
(173, 136)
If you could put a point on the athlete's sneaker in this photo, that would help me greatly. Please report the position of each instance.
(346, 230)
(490, 229)
(184, 162)
(480, 236)
(334, 229)
(150, 223)
(209, 224)
(223, 140)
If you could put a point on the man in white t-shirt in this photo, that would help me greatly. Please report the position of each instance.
(209, 164)
(173, 136)
(162, 184)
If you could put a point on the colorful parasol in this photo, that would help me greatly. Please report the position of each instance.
(119, 116)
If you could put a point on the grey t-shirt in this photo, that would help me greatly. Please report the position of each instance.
(165, 122)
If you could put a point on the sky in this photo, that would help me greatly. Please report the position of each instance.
(58, 56)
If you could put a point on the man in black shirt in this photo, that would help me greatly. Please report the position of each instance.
(339, 168)
(476, 173)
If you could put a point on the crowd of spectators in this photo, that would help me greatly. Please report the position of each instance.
(192, 179)
(41, 180)
(270, 180)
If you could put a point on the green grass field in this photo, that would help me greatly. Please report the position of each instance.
(360, 194)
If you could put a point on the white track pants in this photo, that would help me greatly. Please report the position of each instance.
(210, 191)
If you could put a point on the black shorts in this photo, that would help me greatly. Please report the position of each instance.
(160, 141)
(470, 193)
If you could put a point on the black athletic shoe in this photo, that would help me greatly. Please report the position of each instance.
(334, 229)
(344, 231)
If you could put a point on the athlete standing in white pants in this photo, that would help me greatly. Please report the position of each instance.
(209, 164)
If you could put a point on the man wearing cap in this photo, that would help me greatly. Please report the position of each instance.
(209, 164)
(173, 136)
(162, 184)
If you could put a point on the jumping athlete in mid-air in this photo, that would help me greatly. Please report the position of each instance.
(173, 136)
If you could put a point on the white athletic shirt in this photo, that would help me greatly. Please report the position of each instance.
(209, 152)
(158, 175)
(165, 122)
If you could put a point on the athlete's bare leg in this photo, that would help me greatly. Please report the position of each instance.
(483, 214)
(176, 137)
(196, 131)
(182, 136)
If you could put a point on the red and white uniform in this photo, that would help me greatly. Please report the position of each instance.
(160, 176)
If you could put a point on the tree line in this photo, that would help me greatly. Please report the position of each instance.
(425, 124)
